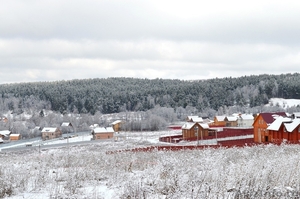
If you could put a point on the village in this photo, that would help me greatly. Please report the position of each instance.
(232, 130)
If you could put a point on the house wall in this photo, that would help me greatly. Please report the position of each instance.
(100, 136)
(218, 123)
(260, 130)
(244, 123)
(191, 133)
(231, 123)
(51, 135)
(280, 135)
(117, 127)
(14, 138)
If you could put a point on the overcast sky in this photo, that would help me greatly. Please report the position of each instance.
(75, 39)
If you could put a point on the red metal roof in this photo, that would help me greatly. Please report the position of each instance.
(271, 117)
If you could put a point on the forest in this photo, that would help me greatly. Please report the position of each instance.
(113, 95)
(145, 104)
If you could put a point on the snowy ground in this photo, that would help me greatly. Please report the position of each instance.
(86, 171)
(283, 103)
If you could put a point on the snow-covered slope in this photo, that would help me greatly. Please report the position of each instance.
(283, 103)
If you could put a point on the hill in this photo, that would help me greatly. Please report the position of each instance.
(113, 95)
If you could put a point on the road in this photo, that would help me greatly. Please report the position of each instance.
(39, 144)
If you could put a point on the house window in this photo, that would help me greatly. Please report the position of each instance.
(299, 130)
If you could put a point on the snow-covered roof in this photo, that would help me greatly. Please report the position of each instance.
(195, 118)
(231, 118)
(220, 118)
(94, 126)
(116, 122)
(290, 127)
(204, 125)
(278, 122)
(189, 125)
(5, 132)
(246, 117)
(14, 135)
(48, 129)
(66, 124)
(103, 130)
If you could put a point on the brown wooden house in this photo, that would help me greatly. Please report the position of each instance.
(261, 123)
(284, 130)
(190, 130)
(51, 133)
(231, 121)
(116, 125)
(103, 133)
(14, 137)
(219, 121)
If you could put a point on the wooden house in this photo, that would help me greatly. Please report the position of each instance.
(103, 133)
(230, 121)
(261, 123)
(284, 130)
(4, 133)
(190, 130)
(14, 137)
(116, 125)
(219, 121)
(51, 133)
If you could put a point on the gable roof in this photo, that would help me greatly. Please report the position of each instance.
(290, 127)
(269, 118)
(246, 117)
(220, 118)
(195, 118)
(5, 132)
(48, 129)
(116, 122)
(103, 130)
(66, 124)
(231, 118)
(278, 122)
(190, 125)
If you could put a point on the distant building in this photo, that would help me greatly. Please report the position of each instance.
(194, 119)
(195, 130)
(103, 133)
(230, 121)
(67, 127)
(116, 125)
(219, 121)
(245, 120)
(50, 133)
(4, 133)
(14, 137)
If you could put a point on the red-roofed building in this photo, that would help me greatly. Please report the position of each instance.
(284, 129)
(262, 122)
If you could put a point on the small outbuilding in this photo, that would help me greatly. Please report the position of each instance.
(14, 137)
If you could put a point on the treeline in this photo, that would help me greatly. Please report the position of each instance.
(113, 95)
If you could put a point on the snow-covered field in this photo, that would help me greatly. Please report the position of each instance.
(284, 103)
(87, 171)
